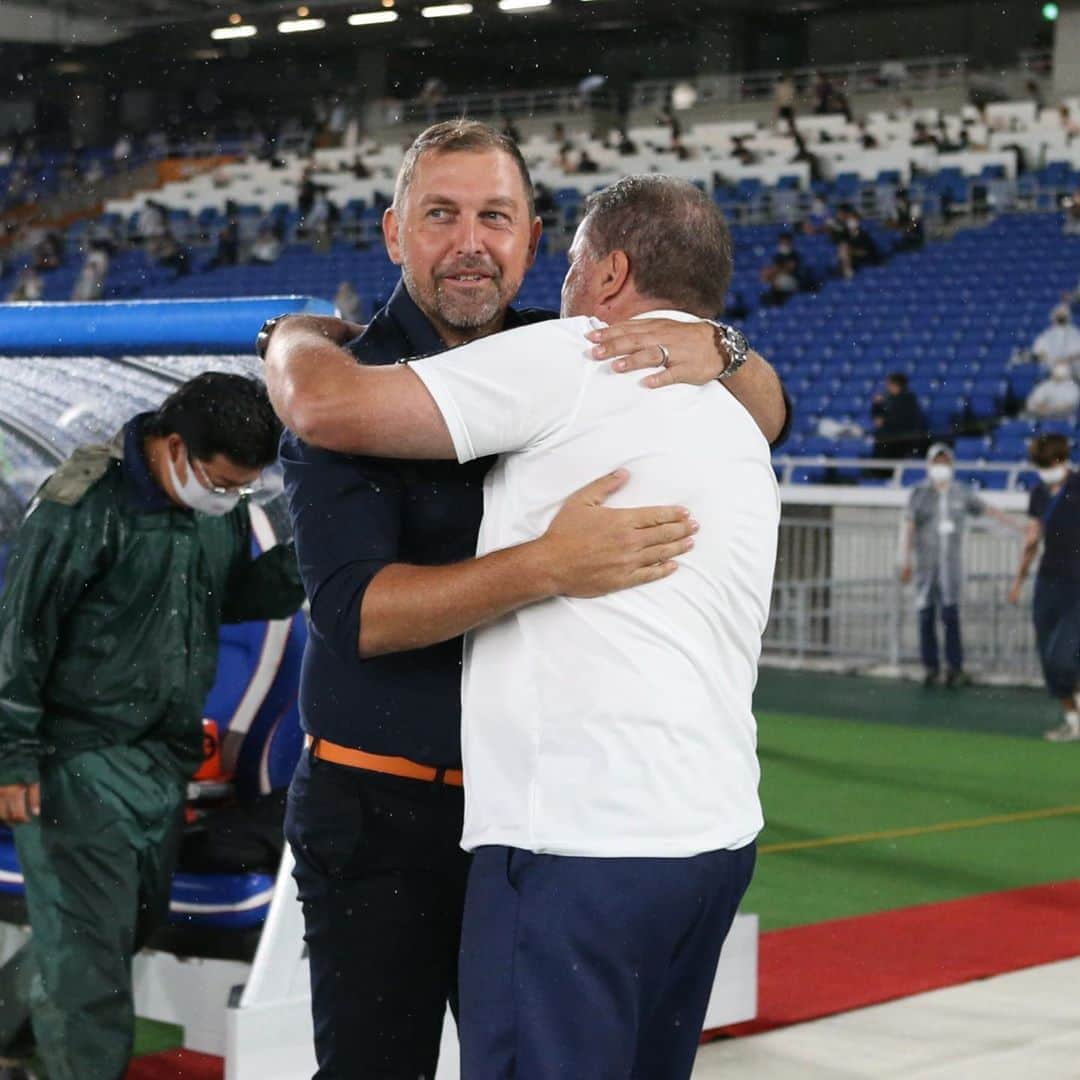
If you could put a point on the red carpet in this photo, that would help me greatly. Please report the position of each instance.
(808, 972)
(812, 971)
(176, 1065)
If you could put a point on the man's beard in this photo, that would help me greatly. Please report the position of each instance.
(459, 311)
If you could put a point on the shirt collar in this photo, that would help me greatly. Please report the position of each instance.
(669, 313)
(144, 493)
(422, 336)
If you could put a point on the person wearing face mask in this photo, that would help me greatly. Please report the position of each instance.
(132, 555)
(1054, 525)
(783, 273)
(1056, 398)
(932, 555)
(1059, 342)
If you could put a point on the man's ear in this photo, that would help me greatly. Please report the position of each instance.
(535, 230)
(614, 276)
(391, 226)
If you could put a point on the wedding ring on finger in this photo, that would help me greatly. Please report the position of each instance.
(665, 356)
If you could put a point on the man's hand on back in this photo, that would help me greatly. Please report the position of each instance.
(591, 550)
(19, 803)
(694, 356)
(691, 347)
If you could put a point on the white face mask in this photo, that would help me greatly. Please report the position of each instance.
(192, 494)
(1054, 475)
(940, 474)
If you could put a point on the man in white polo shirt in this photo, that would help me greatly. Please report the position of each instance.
(609, 744)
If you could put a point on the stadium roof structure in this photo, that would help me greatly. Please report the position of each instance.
(96, 22)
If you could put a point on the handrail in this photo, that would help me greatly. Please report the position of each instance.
(787, 463)
(923, 73)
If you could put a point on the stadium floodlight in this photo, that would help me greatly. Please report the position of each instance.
(523, 5)
(223, 33)
(369, 18)
(1050, 12)
(443, 11)
(300, 26)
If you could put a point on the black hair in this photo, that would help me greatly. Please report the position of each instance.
(898, 378)
(217, 413)
(1048, 450)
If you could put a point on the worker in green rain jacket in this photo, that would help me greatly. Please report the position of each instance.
(130, 558)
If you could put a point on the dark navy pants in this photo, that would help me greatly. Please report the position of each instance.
(1056, 610)
(382, 878)
(928, 640)
(591, 969)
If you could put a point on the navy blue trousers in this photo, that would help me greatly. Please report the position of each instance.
(928, 640)
(576, 968)
(1056, 611)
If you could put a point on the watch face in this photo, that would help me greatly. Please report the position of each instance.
(737, 339)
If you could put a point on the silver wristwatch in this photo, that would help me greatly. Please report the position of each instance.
(734, 344)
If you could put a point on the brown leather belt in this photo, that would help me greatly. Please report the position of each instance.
(380, 763)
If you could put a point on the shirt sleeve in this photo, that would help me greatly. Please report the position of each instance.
(346, 514)
(1037, 502)
(56, 553)
(510, 390)
(975, 504)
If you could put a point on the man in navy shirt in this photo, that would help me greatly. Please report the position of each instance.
(386, 549)
(1054, 510)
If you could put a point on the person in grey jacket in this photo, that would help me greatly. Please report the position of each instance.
(933, 542)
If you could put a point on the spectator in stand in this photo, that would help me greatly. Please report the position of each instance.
(348, 303)
(267, 246)
(867, 140)
(151, 222)
(1055, 398)
(906, 219)
(784, 97)
(510, 130)
(669, 120)
(90, 284)
(586, 164)
(932, 553)
(49, 254)
(307, 193)
(558, 137)
(624, 145)
(855, 247)
(900, 429)
(818, 218)
(741, 152)
(1072, 213)
(783, 273)
(122, 150)
(1059, 342)
(29, 287)
(169, 253)
(1068, 124)
(893, 72)
(923, 136)
(228, 243)
(823, 94)
(1034, 94)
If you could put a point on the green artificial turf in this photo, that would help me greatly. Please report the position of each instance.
(906, 759)
(154, 1036)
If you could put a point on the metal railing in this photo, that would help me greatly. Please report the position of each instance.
(922, 73)
(838, 597)
(849, 470)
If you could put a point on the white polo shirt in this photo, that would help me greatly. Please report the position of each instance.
(622, 725)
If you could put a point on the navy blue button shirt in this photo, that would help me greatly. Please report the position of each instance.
(354, 515)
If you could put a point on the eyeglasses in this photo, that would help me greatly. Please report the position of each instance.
(242, 490)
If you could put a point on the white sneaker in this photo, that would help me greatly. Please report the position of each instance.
(1066, 731)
